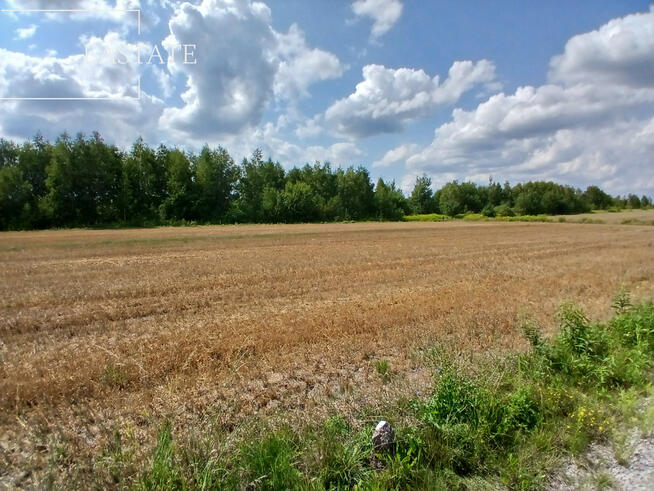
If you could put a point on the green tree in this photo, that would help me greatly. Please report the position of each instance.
(256, 176)
(216, 176)
(528, 202)
(33, 159)
(456, 198)
(8, 153)
(60, 203)
(299, 203)
(634, 201)
(495, 194)
(472, 197)
(420, 200)
(83, 182)
(323, 183)
(390, 203)
(597, 199)
(15, 199)
(143, 184)
(533, 198)
(272, 205)
(451, 199)
(356, 193)
(104, 164)
(179, 201)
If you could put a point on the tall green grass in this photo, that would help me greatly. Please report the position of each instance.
(431, 217)
(474, 217)
(507, 424)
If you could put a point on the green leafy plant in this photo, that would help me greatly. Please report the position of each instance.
(383, 369)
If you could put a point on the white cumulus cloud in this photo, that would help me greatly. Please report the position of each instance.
(26, 32)
(243, 64)
(24, 76)
(301, 66)
(384, 14)
(396, 155)
(389, 98)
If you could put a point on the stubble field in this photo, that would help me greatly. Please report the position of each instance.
(106, 330)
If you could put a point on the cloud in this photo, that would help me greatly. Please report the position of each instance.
(244, 65)
(341, 154)
(25, 32)
(271, 139)
(24, 76)
(389, 98)
(384, 13)
(619, 53)
(396, 155)
(301, 66)
(164, 80)
(227, 90)
(591, 124)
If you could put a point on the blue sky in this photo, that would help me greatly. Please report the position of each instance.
(455, 90)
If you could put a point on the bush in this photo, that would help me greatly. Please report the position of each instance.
(525, 218)
(503, 210)
(488, 211)
(473, 217)
(432, 217)
(635, 327)
(456, 400)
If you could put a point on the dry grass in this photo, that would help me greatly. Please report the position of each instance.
(119, 329)
(624, 217)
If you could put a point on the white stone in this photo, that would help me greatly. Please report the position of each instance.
(383, 436)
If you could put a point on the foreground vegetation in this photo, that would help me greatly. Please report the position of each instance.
(496, 423)
(83, 181)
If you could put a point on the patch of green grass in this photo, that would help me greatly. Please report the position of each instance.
(336, 456)
(602, 481)
(271, 463)
(383, 369)
(114, 375)
(164, 471)
(117, 457)
(432, 217)
(591, 220)
(474, 217)
(524, 218)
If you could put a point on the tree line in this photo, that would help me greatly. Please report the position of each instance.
(83, 181)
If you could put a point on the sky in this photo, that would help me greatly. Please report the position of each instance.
(466, 90)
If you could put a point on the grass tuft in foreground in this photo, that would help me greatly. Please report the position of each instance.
(505, 426)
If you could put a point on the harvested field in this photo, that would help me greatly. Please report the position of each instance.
(122, 328)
